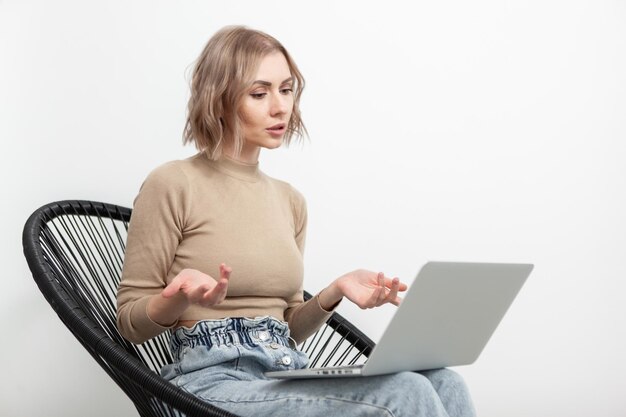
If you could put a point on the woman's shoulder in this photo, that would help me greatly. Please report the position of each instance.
(175, 176)
(289, 192)
(168, 172)
(176, 171)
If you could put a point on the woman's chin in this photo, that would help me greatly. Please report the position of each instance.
(273, 143)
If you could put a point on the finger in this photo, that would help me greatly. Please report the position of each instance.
(394, 290)
(225, 271)
(215, 295)
(195, 294)
(222, 288)
(382, 290)
(371, 301)
(401, 287)
(208, 298)
(396, 302)
(223, 283)
(218, 293)
(375, 296)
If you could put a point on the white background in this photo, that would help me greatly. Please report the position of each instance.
(478, 131)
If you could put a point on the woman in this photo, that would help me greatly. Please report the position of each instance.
(215, 249)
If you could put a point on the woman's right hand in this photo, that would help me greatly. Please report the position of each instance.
(188, 287)
(199, 288)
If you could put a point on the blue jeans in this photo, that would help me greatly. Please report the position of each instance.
(222, 362)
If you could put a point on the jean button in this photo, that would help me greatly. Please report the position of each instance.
(274, 345)
(286, 360)
(263, 336)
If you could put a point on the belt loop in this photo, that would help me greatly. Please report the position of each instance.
(292, 343)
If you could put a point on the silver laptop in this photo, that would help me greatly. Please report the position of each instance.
(446, 319)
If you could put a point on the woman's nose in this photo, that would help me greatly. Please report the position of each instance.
(279, 104)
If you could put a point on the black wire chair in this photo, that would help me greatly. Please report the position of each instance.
(75, 251)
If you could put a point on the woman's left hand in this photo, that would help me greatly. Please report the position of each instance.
(367, 289)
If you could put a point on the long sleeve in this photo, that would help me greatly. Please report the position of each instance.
(155, 230)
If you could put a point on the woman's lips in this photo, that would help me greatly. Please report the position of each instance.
(277, 130)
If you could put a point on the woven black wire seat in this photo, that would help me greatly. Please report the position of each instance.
(75, 251)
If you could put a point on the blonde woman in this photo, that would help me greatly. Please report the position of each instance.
(215, 247)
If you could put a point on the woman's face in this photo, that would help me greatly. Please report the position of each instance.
(266, 109)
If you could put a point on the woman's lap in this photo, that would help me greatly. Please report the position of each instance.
(230, 376)
(400, 394)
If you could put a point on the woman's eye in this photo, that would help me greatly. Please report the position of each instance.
(257, 95)
(287, 90)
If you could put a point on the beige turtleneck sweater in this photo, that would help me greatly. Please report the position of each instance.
(197, 213)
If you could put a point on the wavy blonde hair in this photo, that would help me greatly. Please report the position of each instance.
(221, 76)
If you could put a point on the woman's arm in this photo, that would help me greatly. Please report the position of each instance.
(149, 303)
(367, 289)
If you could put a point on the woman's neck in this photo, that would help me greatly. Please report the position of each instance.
(248, 155)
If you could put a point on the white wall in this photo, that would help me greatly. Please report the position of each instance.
(486, 131)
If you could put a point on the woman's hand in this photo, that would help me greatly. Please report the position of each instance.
(188, 287)
(367, 289)
(199, 288)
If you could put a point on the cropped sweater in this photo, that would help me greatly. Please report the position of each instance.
(197, 213)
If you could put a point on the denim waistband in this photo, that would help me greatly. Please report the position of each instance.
(234, 331)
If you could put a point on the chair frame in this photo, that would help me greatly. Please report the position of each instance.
(133, 367)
